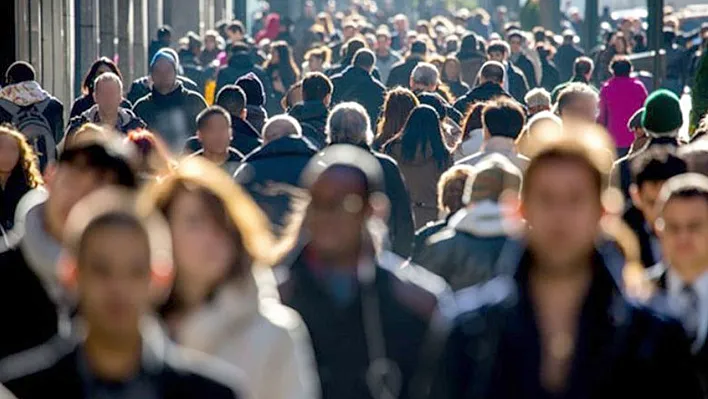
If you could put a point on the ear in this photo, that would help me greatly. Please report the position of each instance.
(635, 195)
(67, 272)
(199, 136)
(244, 113)
(49, 174)
(327, 100)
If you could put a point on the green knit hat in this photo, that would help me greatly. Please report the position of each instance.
(662, 114)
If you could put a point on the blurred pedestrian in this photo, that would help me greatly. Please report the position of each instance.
(256, 113)
(386, 57)
(397, 107)
(582, 73)
(313, 111)
(452, 77)
(164, 39)
(471, 59)
(514, 81)
(491, 85)
(578, 102)
(358, 85)
(566, 55)
(240, 63)
(86, 101)
(143, 86)
(472, 133)
(283, 73)
(214, 134)
(401, 72)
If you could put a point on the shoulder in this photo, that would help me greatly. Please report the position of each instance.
(33, 363)
(142, 103)
(195, 97)
(211, 376)
(500, 292)
(386, 161)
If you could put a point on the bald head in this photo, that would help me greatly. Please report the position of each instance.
(281, 126)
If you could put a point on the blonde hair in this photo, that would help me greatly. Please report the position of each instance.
(451, 187)
(28, 158)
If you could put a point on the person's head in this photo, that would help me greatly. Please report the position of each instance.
(214, 129)
(419, 48)
(211, 41)
(422, 136)
(539, 35)
(578, 101)
(516, 41)
(503, 118)
(309, 9)
(364, 59)
(473, 121)
(317, 59)
(292, 97)
(662, 114)
(619, 43)
(19, 72)
(621, 66)
(281, 54)
(345, 183)
(469, 43)
(163, 70)
(253, 88)
(568, 37)
(425, 77)
(154, 158)
(498, 51)
(696, 155)
(348, 123)
(349, 29)
(451, 70)
(682, 224)
(218, 232)
(583, 67)
(538, 100)
(400, 23)
(397, 107)
(99, 67)
(317, 87)
(650, 170)
(83, 167)
(383, 40)
(492, 72)
(17, 158)
(232, 98)
(451, 187)
(635, 124)
(235, 31)
(108, 92)
(495, 177)
(164, 35)
(281, 126)
(350, 49)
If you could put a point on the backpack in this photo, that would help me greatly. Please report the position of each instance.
(30, 120)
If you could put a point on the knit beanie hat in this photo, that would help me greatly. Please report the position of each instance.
(163, 54)
(253, 87)
(662, 114)
(635, 121)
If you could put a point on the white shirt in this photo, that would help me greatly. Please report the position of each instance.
(677, 302)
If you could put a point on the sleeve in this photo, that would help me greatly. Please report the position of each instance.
(602, 118)
(401, 225)
(674, 372)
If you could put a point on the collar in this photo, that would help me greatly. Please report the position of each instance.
(674, 284)
(500, 144)
(122, 120)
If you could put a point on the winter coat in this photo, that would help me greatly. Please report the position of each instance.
(481, 93)
(470, 64)
(266, 340)
(400, 74)
(193, 69)
(355, 84)
(241, 64)
(421, 175)
(620, 175)
(518, 87)
(565, 60)
(86, 101)
(312, 116)
(410, 303)
(647, 240)
(176, 373)
(244, 138)
(466, 252)
(526, 66)
(271, 174)
(623, 350)
(232, 162)
(385, 64)
(497, 145)
(550, 77)
(620, 98)
(173, 116)
(457, 88)
(257, 117)
(127, 121)
(425, 232)
(10, 195)
(143, 86)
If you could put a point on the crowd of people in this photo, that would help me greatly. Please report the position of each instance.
(345, 207)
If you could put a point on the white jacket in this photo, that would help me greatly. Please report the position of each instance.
(246, 325)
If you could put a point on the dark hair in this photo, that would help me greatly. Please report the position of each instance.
(503, 118)
(209, 112)
(492, 72)
(19, 72)
(515, 34)
(364, 58)
(423, 130)
(583, 66)
(239, 48)
(232, 98)
(350, 48)
(434, 100)
(253, 87)
(539, 34)
(113, 219)
(286, 66)
(419, 47)
(102, 160)
(498, 46)
(315, 87)
(398, 105)
(469, 43)
(683, 187)
(473, 119)
(621, 66)
(657, 163)
(236, 27)
(164, 32)
(92, 74)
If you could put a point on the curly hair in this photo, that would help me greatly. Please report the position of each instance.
(28, 163)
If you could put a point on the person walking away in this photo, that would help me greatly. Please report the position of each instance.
(491, 85)
(514, 80)
(245, 138)
(240, 63)
(386, 313)
(32, 110)
(401, 72)
(566, 56)
(471, 59)
(472, 133)
(191, 63)
(578, 102)
(620, 98)
(112, 256)
(214, 134)
(422, 156)
(356, 84)
(107, 110)
(452, 77)
(582, 73)
(283, 73)
(170, 109)
(256, 113)
(397, 107)
(537, 100)
(164, 40)
(313, 111)
(560, 290)
(677, 62)
(86, 101)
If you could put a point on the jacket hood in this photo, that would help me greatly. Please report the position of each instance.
(309, 110)
(463, 55)
(243, 128)
(24, 93)
(483, 219)
(286, 146)
(241, 60)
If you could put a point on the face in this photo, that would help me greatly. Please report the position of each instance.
(216, 134)
(684, 232)
(114, 279)
(452, 70)
(234, 37)
(315, 63)
(9, 153)
(164, 76)
(562, 208)
(349, 32)
(401, 25)
(383, 43)
(203, 250)
(515, 44)
(210, 43)
(336, 214)
(108, 96)
(645, 197)
(582, 108)
(497, 56)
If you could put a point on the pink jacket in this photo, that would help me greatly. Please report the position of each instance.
(620, 98)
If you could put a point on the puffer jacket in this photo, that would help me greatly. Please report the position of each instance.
(127, 121)
(466, 252)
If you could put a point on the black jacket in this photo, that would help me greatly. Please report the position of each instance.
(10, 196)
(271, 174)
(622, 350)
(142, 87)
(176, 372)
(312, 116)
(127, 121)
(550, 78)
(357, 85)
(257, 116)
(409, 300)
(565, 59)
(518, 87)
(481, 93)
(526, 66)
(244, 138)
(400, 74)
(239, 65)
(173, 116)
(86, 101)
(193, 69)
(232, 162)
(635, 220)
(621, 176)
(458, 88)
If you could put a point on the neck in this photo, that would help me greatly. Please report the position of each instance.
(108, 117)
(167, 91)
(576, 270)
(53, 227)
(4, 177)
(113, 357)
(216, 157)
(689, 273)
